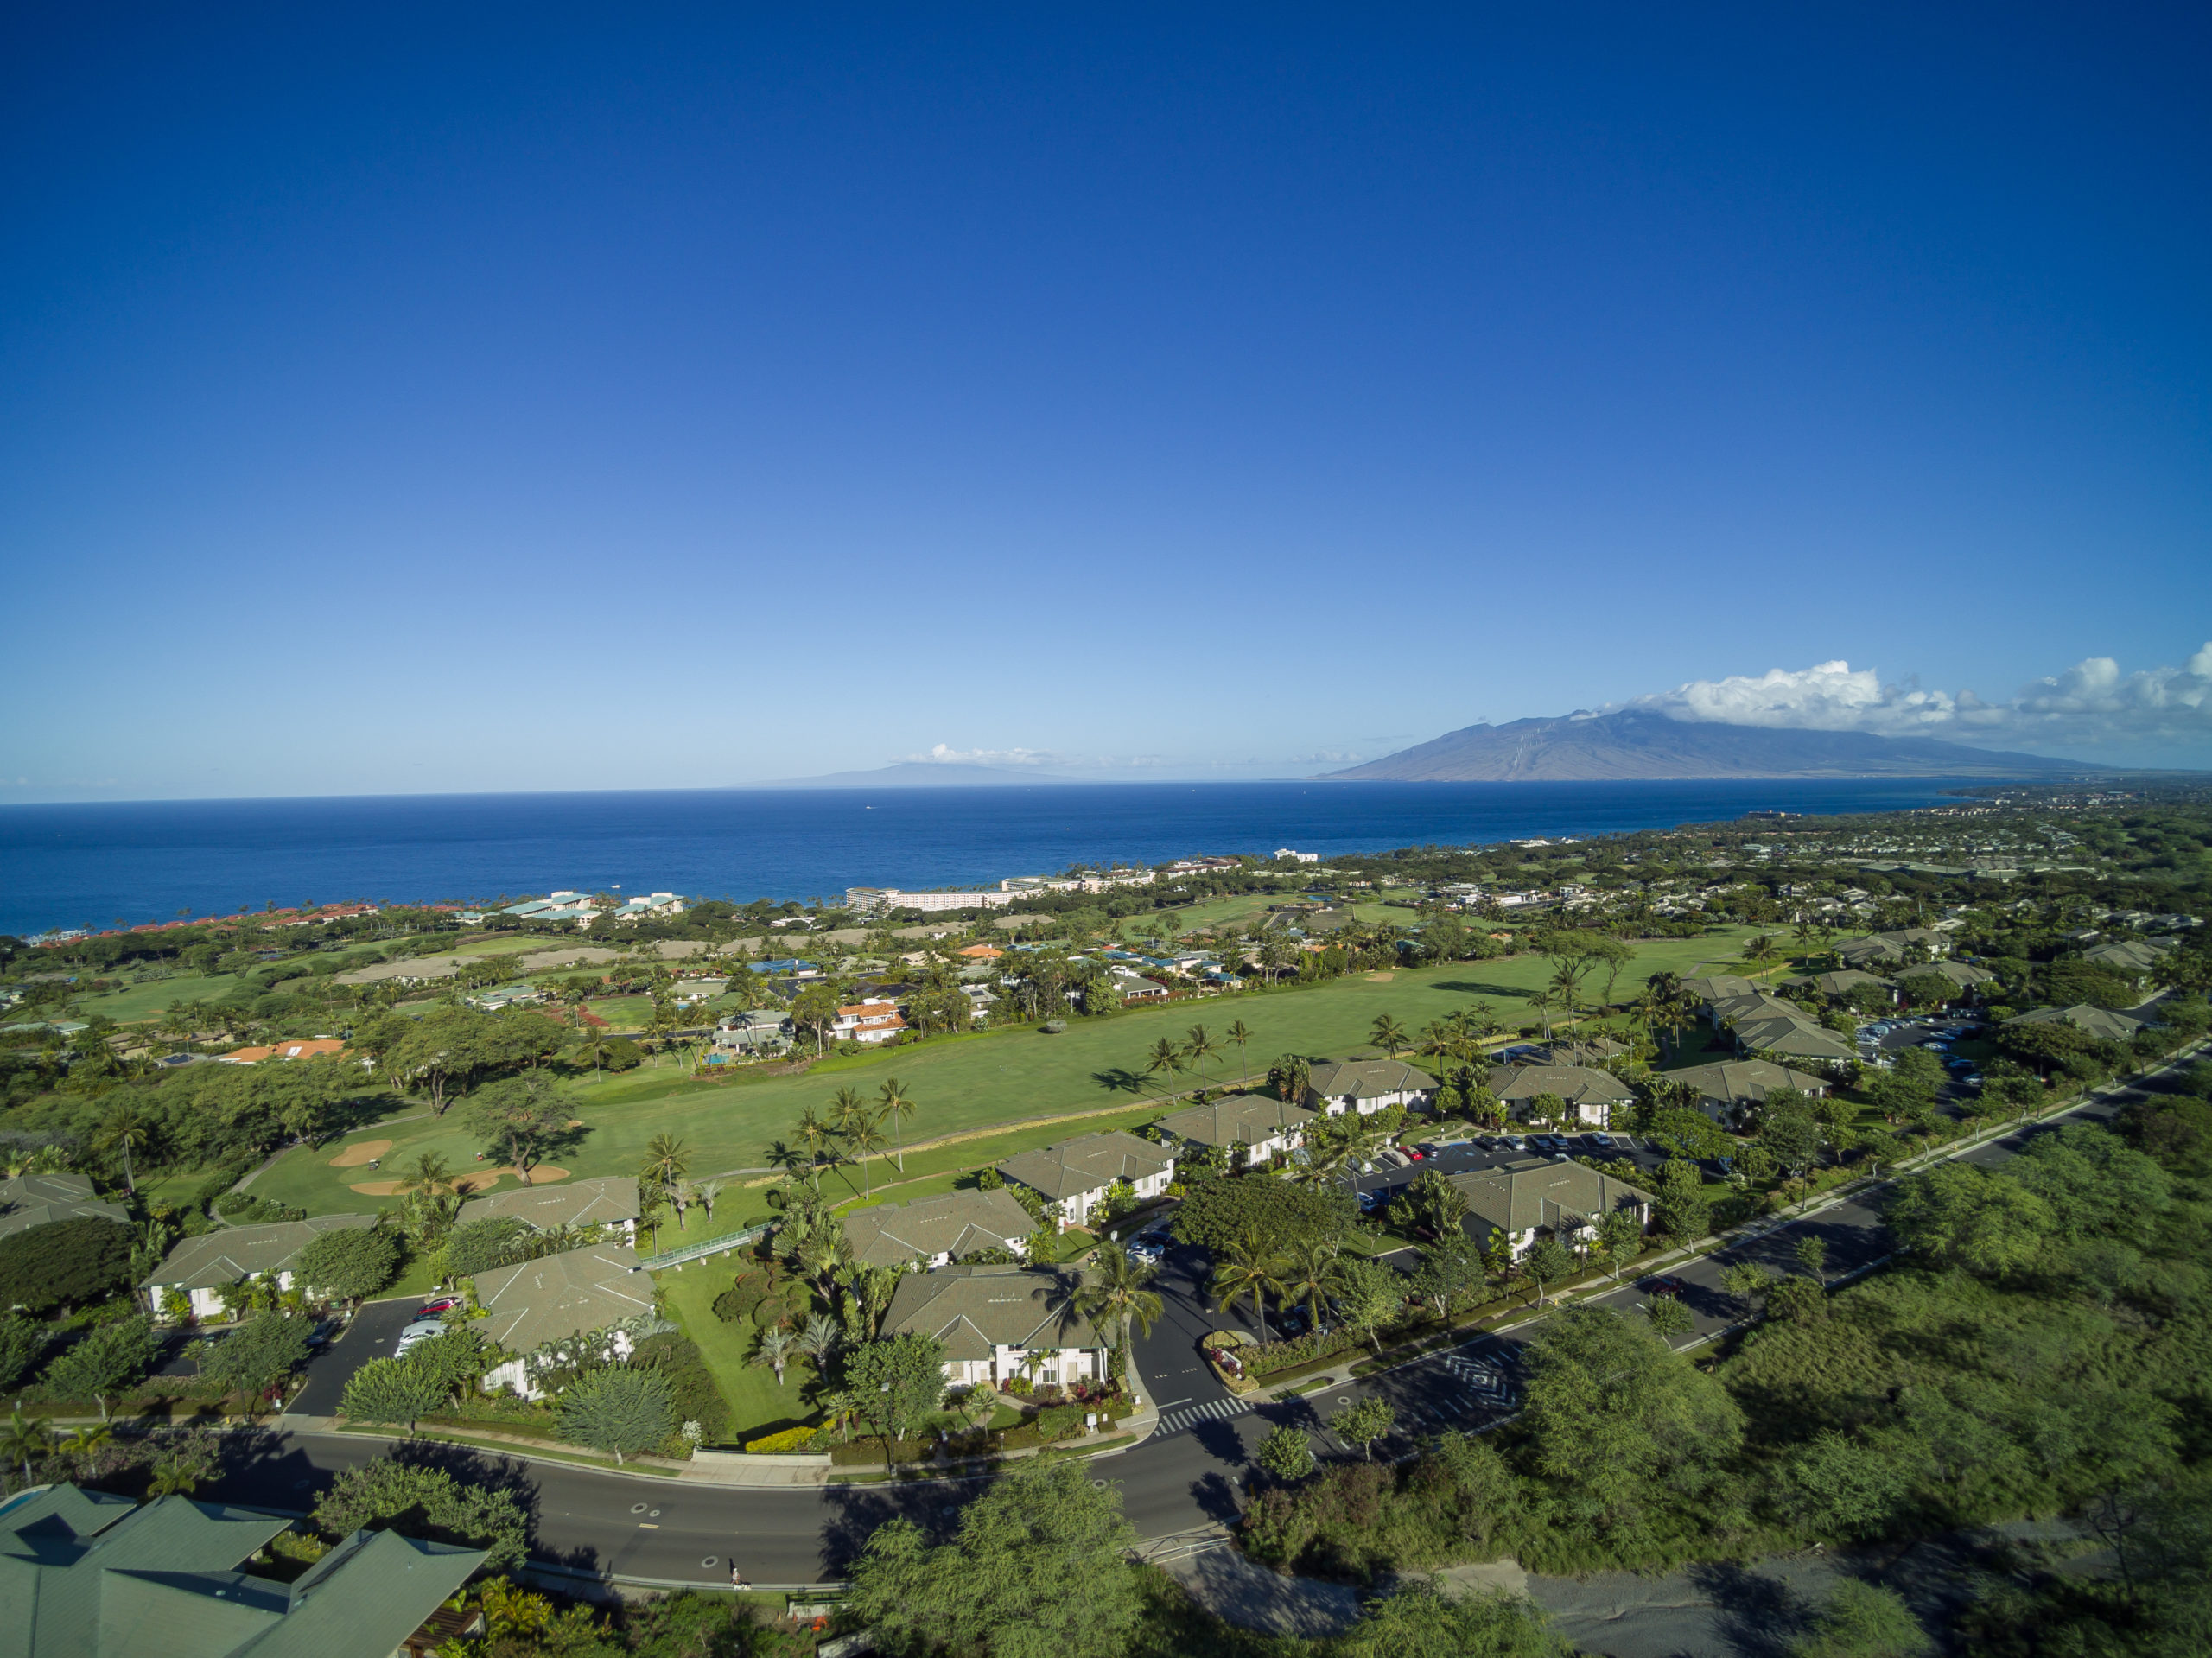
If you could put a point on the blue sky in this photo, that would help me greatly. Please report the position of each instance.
(410, 399)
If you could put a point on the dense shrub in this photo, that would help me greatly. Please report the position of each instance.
(246, 1209)
(66, 1261)
(350, 1263)
(480, 1246)
(690, 1382)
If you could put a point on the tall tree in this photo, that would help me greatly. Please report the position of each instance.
(523, 1115)
(1115, 1296)
(1249, 1266)
(1240, 1034)
(893, 1106)
(389, 1393)
(108, 1360)
(1198, 1046)
(667, 1161)
(1038, 1568)
(126, 1129)
(619, 1409)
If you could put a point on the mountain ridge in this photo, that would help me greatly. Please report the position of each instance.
(1633, 743)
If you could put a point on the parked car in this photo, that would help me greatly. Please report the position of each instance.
(443, 1304)
(1972, 1079)
(1150, 1255)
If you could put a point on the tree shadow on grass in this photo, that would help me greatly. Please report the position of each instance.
(1119, 1079)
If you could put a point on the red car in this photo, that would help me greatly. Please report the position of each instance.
(1673, 1286)
(443, 1304)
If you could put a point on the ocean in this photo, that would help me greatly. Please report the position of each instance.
(96, 866)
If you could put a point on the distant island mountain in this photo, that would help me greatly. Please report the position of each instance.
(921, 774)
(1635, 743)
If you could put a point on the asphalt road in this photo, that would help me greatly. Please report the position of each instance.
(372, 1335)
(686, 1532)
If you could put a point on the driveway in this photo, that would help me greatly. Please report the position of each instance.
(372, 1335)
(1182, 1383)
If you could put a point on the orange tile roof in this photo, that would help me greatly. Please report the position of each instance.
(981, 952)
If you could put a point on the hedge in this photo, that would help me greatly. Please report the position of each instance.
(790, 1439)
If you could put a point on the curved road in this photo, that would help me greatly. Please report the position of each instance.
(1182, 1478)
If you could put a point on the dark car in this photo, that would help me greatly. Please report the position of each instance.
(1667, 1285)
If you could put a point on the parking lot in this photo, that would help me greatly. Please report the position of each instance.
(373, 1333)
(1881, 1041)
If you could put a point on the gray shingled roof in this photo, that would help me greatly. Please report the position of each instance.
(1533, 1192)
(1743, 1079)
(1793, 1037)
(2129, 956)
(231, 1253)
(555, 1297)
(1576, 1084)
(607, 1200)
(84, 1576)
(957, 1223)
(975, 1310)
(2099, 1022)
(1366, 1079)
(1236, 1119)
(1844, 982)
(1086, 1163)
(30, 1200)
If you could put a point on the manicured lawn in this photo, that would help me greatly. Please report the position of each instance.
(138, 1002)
(756, 1403)
(999, 1078)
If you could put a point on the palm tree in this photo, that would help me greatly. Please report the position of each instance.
(25, 1436)
(820, 1340)
(1114, 1294)
(893, 1101)
(1198, 1046)
(1310, 1277)
(1246, 1266)
(846, 1108)
(1166, 1060)
(1566, 986)
(431, 1175)
(1240, 1034)
(825, 1254)
(126, 1129)
(1542, 1002)
(866, 1137)
(1291, 1075)
(1387, 1034)
(774, 1350)
(175, 1475)
(82, 1443)
(814, 1133)
(667, 1159)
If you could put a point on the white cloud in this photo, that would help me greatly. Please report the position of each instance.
(944, 754)
(2092, 704)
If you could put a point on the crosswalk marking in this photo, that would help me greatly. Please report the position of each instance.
(1480, 1377)
(1215, 1411)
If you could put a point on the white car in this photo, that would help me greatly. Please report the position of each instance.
(1150, 1255)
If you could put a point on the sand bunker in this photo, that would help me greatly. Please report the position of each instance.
(360, 1153)
(1383, 977)
(475, 1181)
